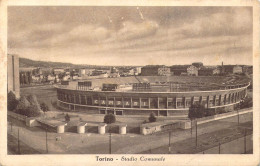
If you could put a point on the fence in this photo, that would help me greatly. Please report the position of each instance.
(241, 145)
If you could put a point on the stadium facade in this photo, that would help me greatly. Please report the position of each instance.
(174, 100)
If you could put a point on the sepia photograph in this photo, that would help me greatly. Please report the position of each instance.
(140, 82)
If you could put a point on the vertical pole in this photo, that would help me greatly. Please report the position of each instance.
(219, 148)
(110, 150)
(237, 117)
(191, 128)
(19, 150)
(46, 140)
(245, 142)
(169, 142)
(196, 134)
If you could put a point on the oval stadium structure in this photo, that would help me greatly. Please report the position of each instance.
(141, 95)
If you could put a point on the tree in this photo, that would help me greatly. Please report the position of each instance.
(152, 117)
(44, 107)
(26, 108)
(12, 102)
(29, 77)
(21, 78)
(26, 79)
(33, 100)
(23, 104)
(109, 118)
(196, 111)
(67, 118)
(31, 111)
(246, 103)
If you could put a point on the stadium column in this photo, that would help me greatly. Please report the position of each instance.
(200, 100)
(158, 102)
(123, 104)
(167, 104)
(175, 102)
(149, 104)
(220, 98)
(192, 100)
(92, 98)
(184, 102)
(214, 98)
(79, 99)
(86, 99)
(99, 100)
(207, 101)
(131, 102)
(74, 96)
(140, 102)
(106, 101)
(114, 101)
(225, 99)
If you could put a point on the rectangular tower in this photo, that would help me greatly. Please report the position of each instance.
(13, 81)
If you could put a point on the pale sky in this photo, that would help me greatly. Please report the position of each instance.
(132, 35)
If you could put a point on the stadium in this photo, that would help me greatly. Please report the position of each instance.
(141, 95)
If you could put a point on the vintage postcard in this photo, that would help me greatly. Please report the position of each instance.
(129, 83)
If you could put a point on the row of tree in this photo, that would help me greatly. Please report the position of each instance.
(26, 105)
(25, 78)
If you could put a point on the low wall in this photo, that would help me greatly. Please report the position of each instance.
(16, 116)
(150, 128)
(186, 124)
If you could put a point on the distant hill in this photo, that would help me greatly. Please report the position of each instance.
(28, 63)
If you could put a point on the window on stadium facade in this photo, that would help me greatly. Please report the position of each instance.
(196, 100)
(144, 103)
(180, 103)
(89, 100)
(188, 102)
(211, 101)
(153, 102)
(127, 102)
(171, 103)
(217, 100)
(162, 103)
(135, 102)
(119, 102)
(83, 99)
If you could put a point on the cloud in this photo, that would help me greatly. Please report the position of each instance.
(167, 34)
(219, 24)
(133, 30)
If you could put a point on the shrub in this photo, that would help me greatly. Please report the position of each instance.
(12, 102)
(109, 118)
(210, 112)
(221, 110)
(29, 111)
(67, 118)
(246, 103)
(44, 107)
(32, 111)
(152, 117)
(197, 111)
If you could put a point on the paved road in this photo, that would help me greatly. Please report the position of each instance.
(91, 143)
